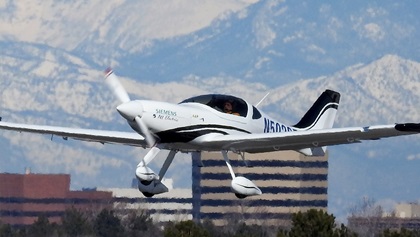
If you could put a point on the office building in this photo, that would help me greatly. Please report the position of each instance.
(290, 182)
(24, 197)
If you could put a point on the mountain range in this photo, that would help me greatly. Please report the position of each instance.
(52, 54)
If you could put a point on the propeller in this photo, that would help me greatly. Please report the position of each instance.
(114, 84)
(132, 110)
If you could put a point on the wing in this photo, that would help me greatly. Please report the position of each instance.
(102, 136)
(298, 140)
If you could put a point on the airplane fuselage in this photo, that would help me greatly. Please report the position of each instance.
(184, 125)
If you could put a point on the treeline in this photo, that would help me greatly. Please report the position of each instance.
(139, 223)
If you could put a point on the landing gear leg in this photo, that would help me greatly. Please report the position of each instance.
(242, 154)
(241, 186)
(225, 156)
(166, 164)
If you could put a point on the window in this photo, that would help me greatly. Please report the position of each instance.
(218, 102)
(255, 113)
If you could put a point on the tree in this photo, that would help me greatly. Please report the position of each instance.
(401, 233)
(6, 230)
(365, 217)
(140, 223)
(366, 208)
(316, 223)
(41, 227)
(344, 232)
(107, 224)
(75, 223)
(250, 231)
(185, 229)
(214, 231)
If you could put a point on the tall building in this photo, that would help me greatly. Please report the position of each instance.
(24, 197)
(290, 182)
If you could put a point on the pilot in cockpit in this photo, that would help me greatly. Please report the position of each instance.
(228, 108)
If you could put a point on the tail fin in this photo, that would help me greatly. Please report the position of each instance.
(322, 113)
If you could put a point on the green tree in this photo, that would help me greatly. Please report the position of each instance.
(213, 230)
(401, 233)
(316, 223)
(140, 223)
(41, 227)
(344, 231)
(282, 233)
(6, 230)
(250, 231)
(108, 225)
(75, 223)
(185, 229)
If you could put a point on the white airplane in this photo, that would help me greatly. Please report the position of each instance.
(217, 122)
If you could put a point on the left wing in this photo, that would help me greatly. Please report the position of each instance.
(297, 140)
(102, 136)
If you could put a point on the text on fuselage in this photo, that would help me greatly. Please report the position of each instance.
(271, 126)
(164, 114)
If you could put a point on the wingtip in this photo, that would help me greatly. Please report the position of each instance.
(408, 127)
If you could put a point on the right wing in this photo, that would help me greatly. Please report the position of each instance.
(297, 140)
(102, 136)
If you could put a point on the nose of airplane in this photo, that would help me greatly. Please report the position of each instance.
(130, 109)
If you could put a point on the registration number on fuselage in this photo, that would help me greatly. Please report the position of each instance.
(271, 126)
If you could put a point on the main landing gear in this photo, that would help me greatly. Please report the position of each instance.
(241, 186)
(150, 183)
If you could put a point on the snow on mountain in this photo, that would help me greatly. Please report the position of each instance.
(129, 25)
(281, 41)
(387, 86)
(272, 41)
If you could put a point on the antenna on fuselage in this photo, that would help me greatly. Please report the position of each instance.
(262, 100)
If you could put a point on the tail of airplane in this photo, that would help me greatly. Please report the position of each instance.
(320, 116)
(322, 113)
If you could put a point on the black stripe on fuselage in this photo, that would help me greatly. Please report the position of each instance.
(189, 133)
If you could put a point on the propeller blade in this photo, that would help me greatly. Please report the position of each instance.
(116, 87)
(148, 136)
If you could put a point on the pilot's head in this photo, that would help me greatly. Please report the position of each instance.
(227, 107)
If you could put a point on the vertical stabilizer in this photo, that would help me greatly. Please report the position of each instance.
(322, 113)
(320, 116)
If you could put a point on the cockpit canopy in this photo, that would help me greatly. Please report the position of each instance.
(219, 103)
